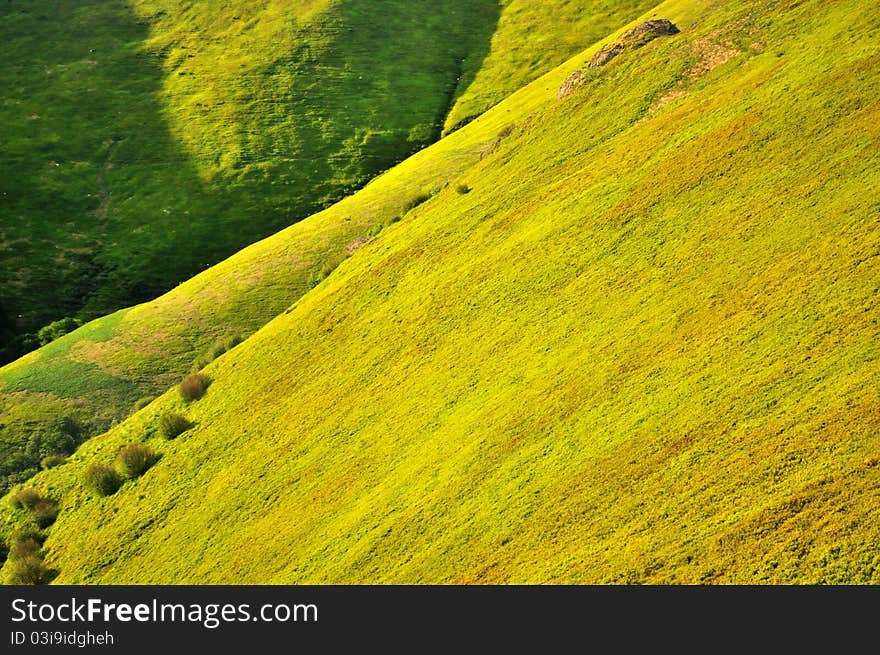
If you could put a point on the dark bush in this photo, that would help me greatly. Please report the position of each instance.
(30, 533)
(44, 513)
(233, 341)
(135, 460)
(26, 547)
(51, 461)
(194, 386)
(103, 480)
(4, 551)
(140, 403)
(29, 571)
(218, 349)
(26, 498)
(173, 425)
(462, 189)
(415, 201)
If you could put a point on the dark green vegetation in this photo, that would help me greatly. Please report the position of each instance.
(144, 141)
(134, 460)
(643, 346)
(102, 480)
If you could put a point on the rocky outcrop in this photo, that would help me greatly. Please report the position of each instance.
(635, 38)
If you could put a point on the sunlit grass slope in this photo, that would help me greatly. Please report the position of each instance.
(532, 38)
(143, 141)
(97, 373)
(642, 348)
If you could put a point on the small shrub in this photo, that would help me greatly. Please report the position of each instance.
(415, 201)
(140, 403)
(44, 513)
(51, 461)
(29, 571)
(375, 230)
(30, 533)
(26, 547)
(200, 362)
(218, 349)
(173, 425)
(26, 499)
(103, 480)
(316, 277)
(462, 189)
(4, 551)
(194, 386)
(233, 341)
(135, 460)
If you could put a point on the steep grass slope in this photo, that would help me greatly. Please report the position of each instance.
(145, 140)
(532, 38)
(94, 376)
(642, 348)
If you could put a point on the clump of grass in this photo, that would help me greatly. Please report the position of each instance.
(29, 570)
(462, 189)
(26, 498)
(102, 480)
(415, 201)
(194, 386)
(51, 461)
(173, 424)
(135, 460)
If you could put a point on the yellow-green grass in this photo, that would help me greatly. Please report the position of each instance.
(143, 141)
(643, 348)
(530, 39)
(98, 372)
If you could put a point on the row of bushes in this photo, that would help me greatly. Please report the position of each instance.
(41, 510)
(136, 459)
(133, 461)
(25, 554)
(26, 559)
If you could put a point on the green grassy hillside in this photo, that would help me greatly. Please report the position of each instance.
(145, 140)
(532, 38)
(637, 342)
(95, 375)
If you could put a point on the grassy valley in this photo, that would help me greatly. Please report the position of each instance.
(145, 141)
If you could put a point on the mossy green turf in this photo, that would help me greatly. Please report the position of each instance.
(643, 348)
(144, 141)
(97, 373)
